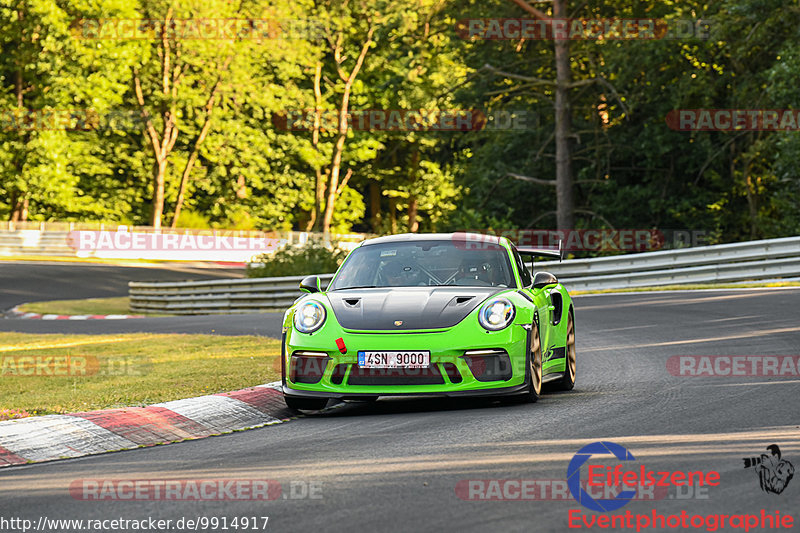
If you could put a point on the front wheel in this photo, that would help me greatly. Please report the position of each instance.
(568, 381)
(305, 404)
(535, 370)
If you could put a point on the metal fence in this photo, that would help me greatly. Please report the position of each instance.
(756, 260)
(226, 296)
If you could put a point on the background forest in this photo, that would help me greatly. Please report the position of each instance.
(180, 130)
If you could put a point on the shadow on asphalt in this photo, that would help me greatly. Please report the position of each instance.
(394, 405)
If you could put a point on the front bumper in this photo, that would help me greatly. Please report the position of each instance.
(496, 391)
(499, 368)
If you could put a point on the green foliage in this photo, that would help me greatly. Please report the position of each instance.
(631, 170)
(313, 257)
(193, 220)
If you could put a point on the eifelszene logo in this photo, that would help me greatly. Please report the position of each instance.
(574, 476)
(774, 472)
(630, 477)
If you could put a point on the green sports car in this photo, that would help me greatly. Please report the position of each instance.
(429, 314)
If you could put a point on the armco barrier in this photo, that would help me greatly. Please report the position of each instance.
(755, 260)
(217, 296)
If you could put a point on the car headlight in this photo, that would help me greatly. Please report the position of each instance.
(497, 314)
(309, 316)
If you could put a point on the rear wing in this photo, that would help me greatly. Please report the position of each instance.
(543, 252)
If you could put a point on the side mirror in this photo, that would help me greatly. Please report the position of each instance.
(310, 284)
(543, 279)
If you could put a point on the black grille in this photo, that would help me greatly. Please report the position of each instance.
(491, 365)
(395, 376)
(452, 372)
(304, 369)
(337, 376)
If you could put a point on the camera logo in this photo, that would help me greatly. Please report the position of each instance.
(774, 472)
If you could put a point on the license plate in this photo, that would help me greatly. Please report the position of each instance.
(417, 359)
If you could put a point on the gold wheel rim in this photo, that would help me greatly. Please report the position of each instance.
(536, 362)
(571, 356)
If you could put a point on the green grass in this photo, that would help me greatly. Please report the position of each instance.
(697, 286)
(89, 306)
(130, 369)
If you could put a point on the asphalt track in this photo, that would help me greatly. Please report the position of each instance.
(394, 465)
(34, 281)
(24, 281)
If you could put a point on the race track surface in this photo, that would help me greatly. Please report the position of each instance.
(27, 281)
(261, 324)
(394, 465)
(33, 281)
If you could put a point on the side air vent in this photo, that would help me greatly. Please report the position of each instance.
(558, 306)
(463, 299)
(352, 302)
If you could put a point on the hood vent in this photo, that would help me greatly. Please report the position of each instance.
(412, 307)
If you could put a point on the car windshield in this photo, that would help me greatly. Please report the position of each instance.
(425, 263)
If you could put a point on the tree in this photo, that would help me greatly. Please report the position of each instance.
(50, 90)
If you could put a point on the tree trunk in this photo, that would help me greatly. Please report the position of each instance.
(241, 187)
(159, 178)
(315, 223)
(333, 182)
(19, 200)
(187, 170)
(752, 204)
(319, 182)
(182, 190)
(19, 210)
(334, 189)
(23, 215)
(393, 213)
(12, 202)
(413, 225)
(565, 206)
(19, 213)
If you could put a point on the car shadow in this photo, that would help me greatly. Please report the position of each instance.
(390, 405)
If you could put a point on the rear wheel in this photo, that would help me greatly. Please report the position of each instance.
(535, 370)
(568, 381)
(305, 404)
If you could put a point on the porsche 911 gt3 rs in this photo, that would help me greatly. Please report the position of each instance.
(429, 314)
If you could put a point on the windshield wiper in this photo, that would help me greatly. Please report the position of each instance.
(355, 287)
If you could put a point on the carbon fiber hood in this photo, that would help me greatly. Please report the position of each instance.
(412, 307)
